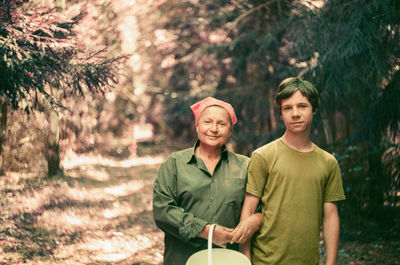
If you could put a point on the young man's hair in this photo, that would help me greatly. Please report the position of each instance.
(290, 85)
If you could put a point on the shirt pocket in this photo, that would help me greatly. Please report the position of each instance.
(233, 190)
(229, 215)
(232, 193)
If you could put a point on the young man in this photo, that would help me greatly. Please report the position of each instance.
(298, 184)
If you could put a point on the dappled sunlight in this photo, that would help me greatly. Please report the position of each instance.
(92, 173)
(313, 4)
(108, 220)
(85, 194)
(118, 247)
(66, 221)
(32, 201)
(120, 209)
(72, 160)
(89, 217)
(127, 188)
(106, 193)
(117, 211)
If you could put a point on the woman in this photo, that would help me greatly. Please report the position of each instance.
(200, 186)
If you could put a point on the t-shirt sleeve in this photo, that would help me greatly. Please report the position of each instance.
(334, 186)
(257, 175)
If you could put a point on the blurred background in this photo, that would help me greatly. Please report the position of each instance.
(113, 80)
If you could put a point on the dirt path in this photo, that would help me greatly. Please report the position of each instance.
(99, 213)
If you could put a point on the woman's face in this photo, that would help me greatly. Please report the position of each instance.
(214, 127)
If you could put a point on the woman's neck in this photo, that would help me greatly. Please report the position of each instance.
(210, 157)
(208, 152)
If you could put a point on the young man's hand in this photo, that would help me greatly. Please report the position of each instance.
(246, 228)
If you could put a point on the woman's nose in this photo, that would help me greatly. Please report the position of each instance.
(214, 127)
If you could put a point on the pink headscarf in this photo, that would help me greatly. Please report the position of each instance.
(200, 106)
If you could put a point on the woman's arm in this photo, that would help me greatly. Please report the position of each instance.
(167, 213)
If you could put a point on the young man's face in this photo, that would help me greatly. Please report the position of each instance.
(214, 126)
(297, 113)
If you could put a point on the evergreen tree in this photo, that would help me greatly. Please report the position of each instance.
(355, 48)
(41, 63)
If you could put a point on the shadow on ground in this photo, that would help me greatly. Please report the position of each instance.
(99, 212)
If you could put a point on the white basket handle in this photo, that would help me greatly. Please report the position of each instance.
(209, 249)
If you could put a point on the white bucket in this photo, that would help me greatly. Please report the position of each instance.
(217, 256)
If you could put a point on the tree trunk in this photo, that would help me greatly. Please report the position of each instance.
(271, 109)
(3, 129)
(53, 149)
(377, 183)
(48, 3)
(60, 5)
(327, 129)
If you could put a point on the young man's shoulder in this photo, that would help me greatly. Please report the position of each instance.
(268, 148)
(328, 157)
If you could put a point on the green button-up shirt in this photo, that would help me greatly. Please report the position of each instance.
(186, 197)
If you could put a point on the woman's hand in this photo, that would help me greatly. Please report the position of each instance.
(221, 234)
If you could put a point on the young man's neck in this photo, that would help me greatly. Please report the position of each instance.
(299, 142)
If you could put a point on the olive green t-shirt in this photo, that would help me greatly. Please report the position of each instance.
(292, 186)
(186, 197)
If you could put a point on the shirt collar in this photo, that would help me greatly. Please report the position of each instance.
(192, 156)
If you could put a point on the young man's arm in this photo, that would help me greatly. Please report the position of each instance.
(331, 232)
(250, 222)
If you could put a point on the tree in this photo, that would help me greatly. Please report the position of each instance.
(41, 63)
(233, 51)
(239, 51)
(357, 72)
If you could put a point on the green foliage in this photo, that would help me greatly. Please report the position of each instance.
(355, 50)
(348, 49)
(39, 59)
(233, 51)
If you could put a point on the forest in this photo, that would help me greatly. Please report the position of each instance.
(94, 94)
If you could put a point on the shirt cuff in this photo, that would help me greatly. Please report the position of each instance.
(192, 229)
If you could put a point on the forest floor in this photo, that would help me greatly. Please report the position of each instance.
(100, 212)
